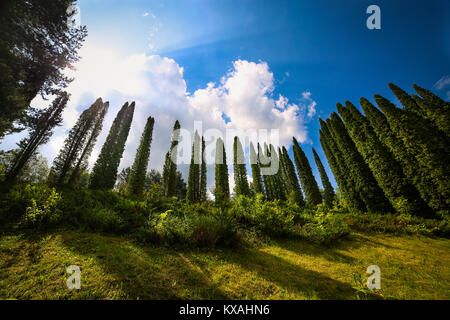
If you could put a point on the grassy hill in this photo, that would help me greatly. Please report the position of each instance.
(412, 267)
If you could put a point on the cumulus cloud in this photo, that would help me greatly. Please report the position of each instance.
(244, 96)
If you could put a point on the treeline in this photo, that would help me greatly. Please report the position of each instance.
(392, 159)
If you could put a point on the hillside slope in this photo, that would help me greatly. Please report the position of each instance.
(117, 268)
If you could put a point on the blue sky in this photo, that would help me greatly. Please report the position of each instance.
(319, 47)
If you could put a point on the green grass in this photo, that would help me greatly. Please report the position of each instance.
(412, 267)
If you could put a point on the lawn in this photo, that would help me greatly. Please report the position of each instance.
(412, 267)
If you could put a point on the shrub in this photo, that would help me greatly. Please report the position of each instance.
(267, 216)
(43, 211)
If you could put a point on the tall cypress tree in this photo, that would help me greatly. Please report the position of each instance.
(82, 162)
(430, 107)
(414, 172)
(328, 191)
(170, 165)
(292, 181)
(222, 188)
(40, 133)
(203, 174)
(306, 176)
(240, 172)
(104, 173)
(277, 175)
(425, 144)
(342, 174)
(264, 161)
(386, 170)
(256, 171)
(368, 188)
(75, 143)
(136, 180)
(434, 108)
(193, 188)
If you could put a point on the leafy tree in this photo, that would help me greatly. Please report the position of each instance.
(123, 176)
(36, 45)
(309, 184)
(240, 172)
(34, 171)
(153, 176)
(104, 173)
(170, 165)
(328, 194)
(222, 188)
(40, 133)
(136, 182)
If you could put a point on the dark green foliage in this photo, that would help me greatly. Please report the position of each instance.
(292, 184)
(264, 163)
(104, 173)
(386, 170)
(434, 108)
(78, 143)
(153, 176)
(41, 131)
(309, 183)
(277, 177)
(428, 148)
(193, 189)
(340, 171)
(256, 171)
(36, 45)
(82, 163)
(328, 191)
(222, 188)
(365, 183)
(136, 181)
(203, 177)
(240, 172)
(413, 171)
(170, 164)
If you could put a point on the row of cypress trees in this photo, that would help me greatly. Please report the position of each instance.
(274, 174)
(391, 159)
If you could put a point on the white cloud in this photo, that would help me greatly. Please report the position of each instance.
(145, 14)
(443, 83)
(157, 85)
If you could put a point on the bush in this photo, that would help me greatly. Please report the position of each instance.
(27, 205)
(43, 211)
(268, 217)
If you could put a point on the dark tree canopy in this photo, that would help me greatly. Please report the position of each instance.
(36, 45)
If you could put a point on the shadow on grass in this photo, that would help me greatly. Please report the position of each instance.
(328, 252)
(291, 277)
(144, 273)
